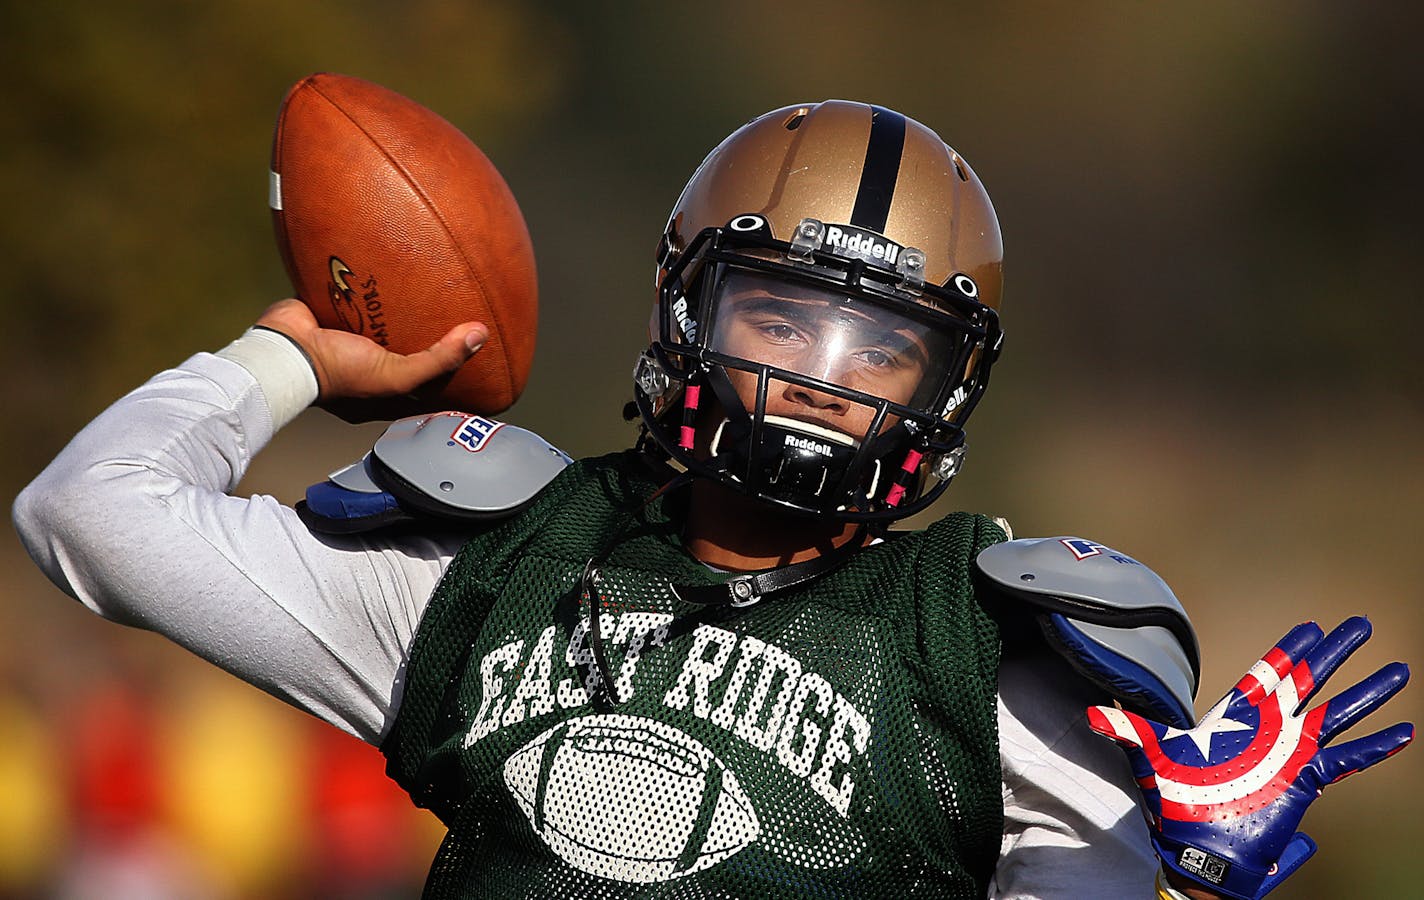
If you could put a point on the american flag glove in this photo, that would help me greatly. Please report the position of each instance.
(1225, 798)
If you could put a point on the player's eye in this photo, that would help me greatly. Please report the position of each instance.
(878, 359)
(780, 332)
(885, 359)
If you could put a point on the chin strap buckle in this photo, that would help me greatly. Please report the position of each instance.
(744, 591)
(947, 465)
(753, 587)
(650, 376)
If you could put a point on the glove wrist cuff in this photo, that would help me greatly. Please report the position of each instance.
(1220, 875)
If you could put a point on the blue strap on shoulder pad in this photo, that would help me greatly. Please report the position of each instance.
(1110, 616)
(1139, 689)
(333, 509)
(445, 468)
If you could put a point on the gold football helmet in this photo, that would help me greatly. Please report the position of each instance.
(831, 276)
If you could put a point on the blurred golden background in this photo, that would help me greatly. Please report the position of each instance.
(1211, 215)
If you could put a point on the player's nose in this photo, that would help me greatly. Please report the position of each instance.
(818, 400)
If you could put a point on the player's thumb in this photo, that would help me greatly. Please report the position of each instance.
(1111, 722)
(442, 357)
(461, 342)
(472, 336)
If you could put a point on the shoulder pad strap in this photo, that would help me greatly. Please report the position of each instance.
(1112, 617)
(449, 467)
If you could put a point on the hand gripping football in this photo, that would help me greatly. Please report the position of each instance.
(392, 224)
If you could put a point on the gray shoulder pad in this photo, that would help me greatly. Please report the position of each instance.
(447, 466)
(461, 465)
(1111, 616)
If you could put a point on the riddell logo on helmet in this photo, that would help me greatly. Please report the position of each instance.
(684, 318)
(800, 443)
(847, 240)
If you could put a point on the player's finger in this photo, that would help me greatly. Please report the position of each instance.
(1334, 763)
(1325, 657)
(1351, 705)
(1263, 677)
(406, 373)
(287, 312)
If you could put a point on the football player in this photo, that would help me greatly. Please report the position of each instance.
(705, 666)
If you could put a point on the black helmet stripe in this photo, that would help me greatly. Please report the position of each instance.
(882, 168)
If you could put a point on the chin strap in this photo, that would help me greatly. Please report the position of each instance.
(752, 588)
(739, 591)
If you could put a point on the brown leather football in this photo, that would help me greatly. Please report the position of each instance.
(393, 224)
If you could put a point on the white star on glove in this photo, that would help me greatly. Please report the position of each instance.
(1214, 722)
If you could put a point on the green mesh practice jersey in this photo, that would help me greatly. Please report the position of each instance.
(837, 740)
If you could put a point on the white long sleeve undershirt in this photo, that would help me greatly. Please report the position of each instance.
(134, 519)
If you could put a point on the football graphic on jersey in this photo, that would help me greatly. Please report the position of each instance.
(630, 798)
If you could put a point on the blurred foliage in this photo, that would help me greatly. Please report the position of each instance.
(1215, 199)
(1210, 213)
(135, 147)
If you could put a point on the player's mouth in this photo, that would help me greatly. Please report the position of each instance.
(799, 432)
(816, 430)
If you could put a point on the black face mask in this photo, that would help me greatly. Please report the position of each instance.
(893, 371)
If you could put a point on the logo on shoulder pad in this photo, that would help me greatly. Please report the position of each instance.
(1085, 549)
(474, 431)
